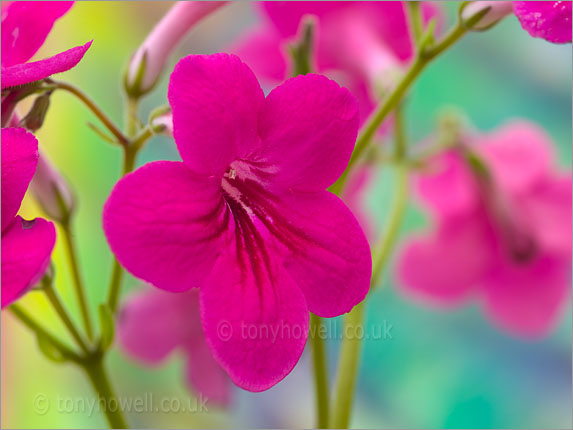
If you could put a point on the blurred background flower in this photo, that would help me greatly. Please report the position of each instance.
(439, 369)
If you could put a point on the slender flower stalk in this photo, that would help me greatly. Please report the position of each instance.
(320, 372)
(40, 331)
(351, 346)
(58, 306)
(92, 106)
(99, 379)
(72, 255)
(129, 154)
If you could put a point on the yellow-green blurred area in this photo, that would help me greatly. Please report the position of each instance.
(439, 369)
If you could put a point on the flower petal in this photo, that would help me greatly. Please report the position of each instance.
(261, 50)
(518, 154)
(446, 266)
(255, 318)
(550, 20)
(329, 257)
(205, 375)
(215, 101)
(527, 299)
(166, 225)
(24, 73)
(547, 208)
(448, 188)
(25, 26)
(152, 324)
(308, 126)
(19, 161)
(26, 250)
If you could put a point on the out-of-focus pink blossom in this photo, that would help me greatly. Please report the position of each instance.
(246, 216)
(362, 45)
(26, 245)
(503, 238)
(154, 324)
(25, 26)
(161, 42)
(550, 20)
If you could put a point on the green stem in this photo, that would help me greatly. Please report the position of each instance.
(72, 255)
(29, 322)
(347, 370)
(99, 379)
(129, 155)
(381, 113)
(90, 104)
(115, 285)
(351, 346)
(416, 22)
(63, 314)
(131, 120)
(387, 242)
(320, 371)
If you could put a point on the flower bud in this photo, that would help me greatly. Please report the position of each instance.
(51, 191)
(34, 119)
(149, 60)
(163, 124)
(497, 11)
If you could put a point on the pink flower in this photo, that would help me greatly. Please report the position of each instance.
(163, 39)
(26, 245)
(504, 238)
(360, 44)
(245, 217)
(154, 324)
(550, 20)
(25, 26)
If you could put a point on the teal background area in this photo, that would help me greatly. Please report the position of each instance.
(440, 369)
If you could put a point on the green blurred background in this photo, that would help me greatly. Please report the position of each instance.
(440, 369)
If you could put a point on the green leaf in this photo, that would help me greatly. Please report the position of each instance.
(107, 326)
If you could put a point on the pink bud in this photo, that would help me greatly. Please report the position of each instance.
(163, 124)
(51, 191)
(162, 41)
(498, 10)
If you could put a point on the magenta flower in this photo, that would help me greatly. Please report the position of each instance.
(360, 44)
(550, 20)
(245, 217)
(154, 324)
(25, 26)
(505, 241)
(26, 245)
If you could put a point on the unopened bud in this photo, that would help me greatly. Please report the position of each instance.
(35, 117)
(149, 60)
(496, 10)
(163, 123)
(51, 191)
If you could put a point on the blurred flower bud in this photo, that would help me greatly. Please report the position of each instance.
(497, 11)
(149, 60)
(35, 117)
(51, 191)
(163, 123)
